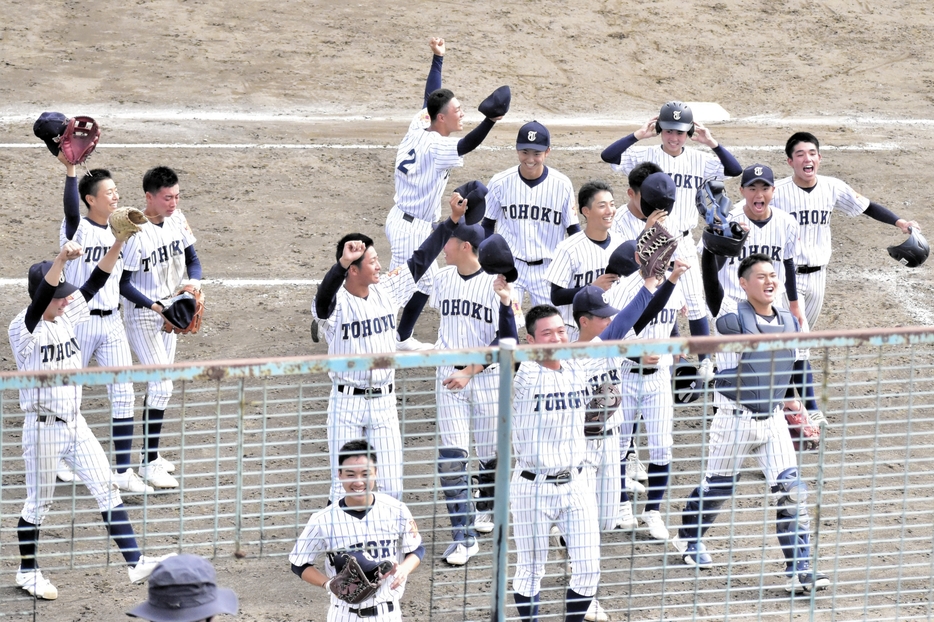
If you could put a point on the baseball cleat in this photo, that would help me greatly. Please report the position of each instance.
(413, 345)
(168, 466)
(627, 522)
(656, 524)
(64, 473)
(807, 581)
(458, 553)
(130, 482)
(595, 612)
(633, 486)
(705, 371)
(635, 469)
(33, 582)
(144, 567)
(156, 476)
(483, 523)
(693, 553)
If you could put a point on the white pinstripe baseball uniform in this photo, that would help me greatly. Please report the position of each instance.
(62, 432)
(533, 218)
(155, 257)
(626, 226)
(469, 310)
(811, 209)
(103, 335)
(577, 261)
(362, 403)
(688, 171)
(776, 238)
(423, 164)
(385, 531)
(548, 440)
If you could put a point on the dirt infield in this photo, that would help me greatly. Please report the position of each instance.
(337, 82)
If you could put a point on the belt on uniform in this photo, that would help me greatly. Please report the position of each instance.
(686, 233)
(739, 412)
(104, 313)
(372, 612)
(537, 262)
(346, 389)
(406, 218)
(808, 269)
(49, 419)
(645, 371)
(564, 477)
(460, 367)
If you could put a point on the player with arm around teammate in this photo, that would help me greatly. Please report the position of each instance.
(548, 486)
(42, 338)
(104, 334)
(811, 199)
(156, 262)
(424, 161)
(581, 259)
(369, 525)
(476, 312)
(688, 168)
(357, 306)
(532, 207)
(750, 397)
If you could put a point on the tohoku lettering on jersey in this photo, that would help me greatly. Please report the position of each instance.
(423, 163)
(156, 256)
(577, 262)
(50, 347)
(387, 531)
(812, 210)
(468, 306)
(95, 240)
(532, 218)
(366, 325)
(776, 239)
(688, 171)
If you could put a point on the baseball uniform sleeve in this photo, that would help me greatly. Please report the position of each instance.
(188, 238)
(614, 153)
(713, 167)
(630, 159)
(494, 202)
(443, 153)
(411, 538)
(310, 544)
(848, 200)
(560, 271)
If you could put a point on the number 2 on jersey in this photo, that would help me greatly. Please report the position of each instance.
(409, 161)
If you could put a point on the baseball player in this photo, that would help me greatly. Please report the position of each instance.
(811, 199)
(424, 160)
(365, 523)
(42, 338)
(548, 486)
(688, 168)
(749, 399)
(358, 308)
(581, 259)
(103, 335)
(156, 262)
(476, 311)
(532, 207)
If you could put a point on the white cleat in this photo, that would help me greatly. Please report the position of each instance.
(657, 529)
(413, 345)
(595, 612)
(458, 553)
(627, 522)
(483, 523)
(155, 475)
(635, 469)
(168, 466)
(129, 482)
(705, 371)
(33, 582)
(144, 567)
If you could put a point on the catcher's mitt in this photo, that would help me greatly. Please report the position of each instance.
(603, 403)
(125, 222)
(352, 584)
(655, 248)
(805, 433)
(79, 139)
(183, 312)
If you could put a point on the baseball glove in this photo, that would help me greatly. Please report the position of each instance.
(805, 434)
(352, 584)
(125, 222)
(184, 311)
(80, 139)
(603, 403)
(655, 248)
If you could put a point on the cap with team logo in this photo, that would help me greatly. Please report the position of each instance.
(757, 172)
(533, 135)
(657, 192)
(37, 273)
(591, 300)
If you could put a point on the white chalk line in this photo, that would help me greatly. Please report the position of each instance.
(887, 146)
(233, 283)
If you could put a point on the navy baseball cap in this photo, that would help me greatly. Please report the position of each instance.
(497, 104)
(623, 260)
(470, 233)
(183, 588)
(591, 300)
(533, 135)
(757, 172)
(37, 273)
(496, 258)
(658, 192)
(49, 127)
(475, 193)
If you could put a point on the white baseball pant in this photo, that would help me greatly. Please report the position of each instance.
(405, 236)
(692, 284)
(648, 396)
(735, 436)
(105, 338)
(602, 469)
(532, 280)
(152, 346)
(475, 406)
